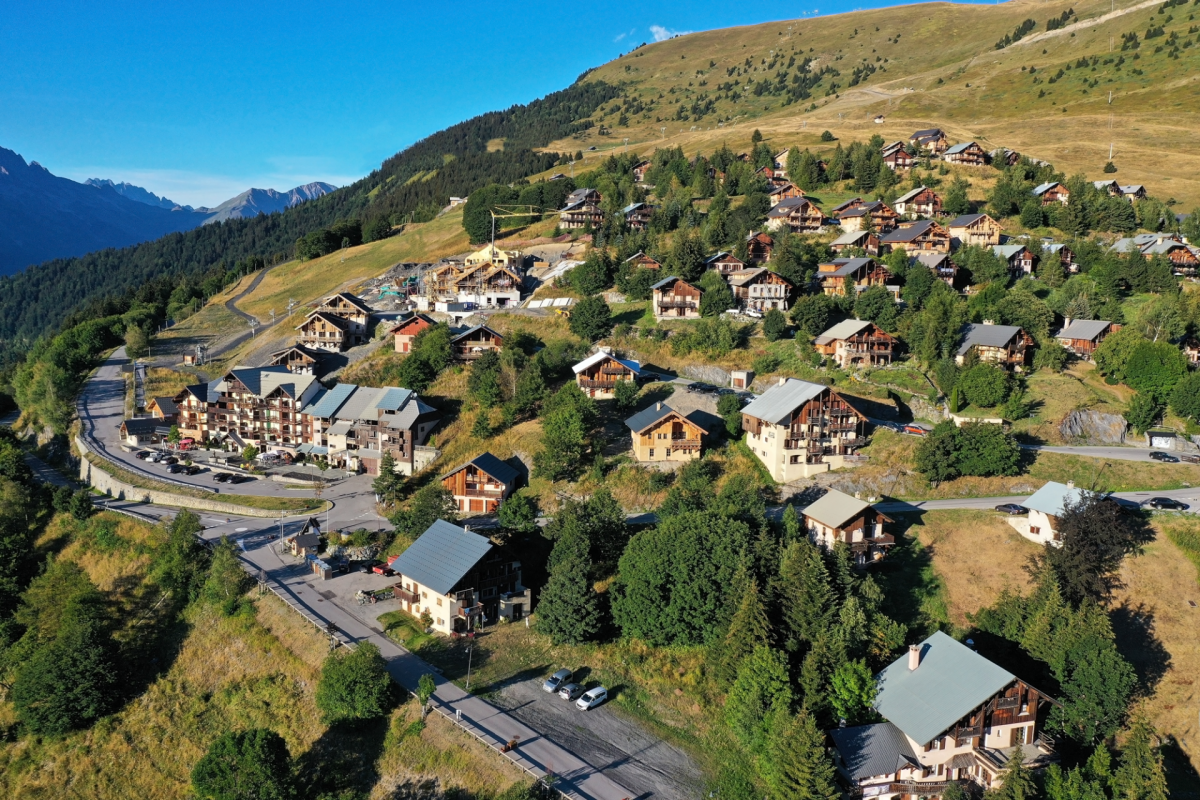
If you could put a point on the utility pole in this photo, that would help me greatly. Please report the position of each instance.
(626, 144)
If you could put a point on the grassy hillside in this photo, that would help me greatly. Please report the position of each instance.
(935, 65)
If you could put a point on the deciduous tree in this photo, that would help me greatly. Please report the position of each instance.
(245, 765)
(354, 685)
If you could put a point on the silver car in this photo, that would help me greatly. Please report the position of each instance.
(592, 698)
(570, 691)
(556, 680)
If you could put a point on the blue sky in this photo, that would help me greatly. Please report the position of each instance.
(198, 102)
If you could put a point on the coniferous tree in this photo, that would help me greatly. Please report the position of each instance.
(748, 629)
(760, 690)
(1140, 774)
(568, 608)
(808, 601)
(795, 764)
(389, 483)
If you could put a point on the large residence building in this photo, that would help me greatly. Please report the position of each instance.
(339, 323)
(799, 429)
(259, 406)
(949, 715)
(459, 579)
(353, 426)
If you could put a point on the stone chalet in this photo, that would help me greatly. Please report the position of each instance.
(482, 484)
(799, 429)
(974, 229)
(1083, 336)
(759, 289)
(660, 433)
(598, 374)
(856, 343)
(922, 201)
(406, 331)
(922, 236)
(1005, 345)
(459, 579)
(675, 298)
(949, 715)
(838, 517)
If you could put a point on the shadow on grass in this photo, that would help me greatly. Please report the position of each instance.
(344, 758)
(915, 595)
(1134, 628)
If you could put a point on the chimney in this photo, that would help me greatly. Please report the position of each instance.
(1070, 484)
(782, 381)
(659, 407)
(988, 322)
(914, 657)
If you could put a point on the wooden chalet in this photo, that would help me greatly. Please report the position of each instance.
(406, 331)
(637, 215)
(949, 714)
(1183, 257)
(440, 280)
(930, 139)
(759, 289)
(660, 433)
(297, 358)
(1004, 345)
(940, 264)
(798, 429)
(968, 154)
(482, 484)
(1005, 156)
(1083, 336)
(862, 273)
(490, 286)
(1191, 349)
(640, 169)
(797, 214)
(1051, 193)
(875, 215)
(920, 202)
(975, 229)
(1020, 259)
(758, 247)
(724, 263)
(474, 342)
(675, 298)
(841, 208)
(774, 177)
(640, 259)
(864, 241)
(921, 236)
(163, 409)
(897, 158)
(837, 517)
(1063, 254)
(324, 331)
(582, 214)
(857, 343)
(786, 191)
(1130, 192)
(598, 374)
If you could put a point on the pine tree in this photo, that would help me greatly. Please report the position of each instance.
(389, 483)
(792, 529)
(803, 588)
(748, 629)
(1017, 782)
(761, 689)
(568, 610)
(795, 765)
(1140, 775)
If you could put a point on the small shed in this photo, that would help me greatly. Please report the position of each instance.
(741, 378)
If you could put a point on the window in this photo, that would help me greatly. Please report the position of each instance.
(439, 601)
(652, 452)
(441, 621)
(425, 595)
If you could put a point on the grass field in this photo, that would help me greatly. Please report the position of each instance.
(936, 66)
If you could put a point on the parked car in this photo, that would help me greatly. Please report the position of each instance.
(192, 469)
(1166, 504)
(142, 455)
(1166, 458)
(556, 680)
(239, 478)
(170, 460)
(222, 477)
(154, 458)
(379, 568)
(174, 469)
(1012, 509)
(570, 691)
(1189, 458)
(592, 698)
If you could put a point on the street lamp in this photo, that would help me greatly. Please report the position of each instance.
(470, 652)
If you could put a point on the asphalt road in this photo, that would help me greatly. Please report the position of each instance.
(1117, 453)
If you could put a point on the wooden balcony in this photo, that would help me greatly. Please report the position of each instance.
(684, 444)
(606, 386)
(494, 494)
(404, 595)
(665, 303)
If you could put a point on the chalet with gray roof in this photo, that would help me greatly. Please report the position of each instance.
(1083, 336)
(967, 153)
(866, 241)
(458, 579)
(1052, 192)
(839, 517)
(482, 484)
(799, 429)
(675, 298)
(949, 715)
(1004, 345)
(1019, 258)
(920, 202)
(974, 229)
(662, 434)
(855, 343)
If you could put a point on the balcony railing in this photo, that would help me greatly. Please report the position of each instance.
(684, 444)
(470, 612)
(605, 385)
(664, 303)
(495, 494)
(405, 595)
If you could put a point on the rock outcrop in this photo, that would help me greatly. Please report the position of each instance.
(1093, 427)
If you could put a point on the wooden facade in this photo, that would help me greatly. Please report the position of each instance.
(666, 436)
(866, 241)
(975, 229)
(1052, 193)
(862, 272)
(931, 139)
(968, 154)
(839, 518)
(897, 158)
(1082, 340)
(725, 263)
(922, 236)
(642, 260)
(921, 202)
(471, 344)
(820, 433)
(676, 299)
(760, 289)
(637, 216)
(597, 375)
(476, 491)
(799, 215)
(640, 169)
(869, 346)
(583, 214)
(758, 247)
(787, 191)
(880, 215)
(297, 358)
(322, 331)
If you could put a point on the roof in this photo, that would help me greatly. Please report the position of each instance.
(393, 398)
(649, 416)
(785, 206)
(328, 316)
(840, 206)
(980, 335)
(667, 280)
(965, 220)
(1053, 498)
(596, 358)
(904, 198)
(835, 508)
(1104, 184)
(414, 319)
(843, 330)
(951, 681)
(328, 401)
(870, 750)
(928, 132)
(931, 260)
(340, 428)
(778, 402)
(498, 469)
(441, 556)
(959, 148)
(1007, 251)
(742, 277)
(1163, 247)
(850, 239)
(1132, 188)
(847, 266)
(360, 405)
(166, 405)
(263, 381)
(475, 329)
(1042, 188)
(1087, 329)
(353, 300)
(139, 426)
(906, 233)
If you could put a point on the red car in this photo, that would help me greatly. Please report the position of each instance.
(380, 568)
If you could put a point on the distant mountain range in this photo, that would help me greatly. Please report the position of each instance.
(43, 216)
